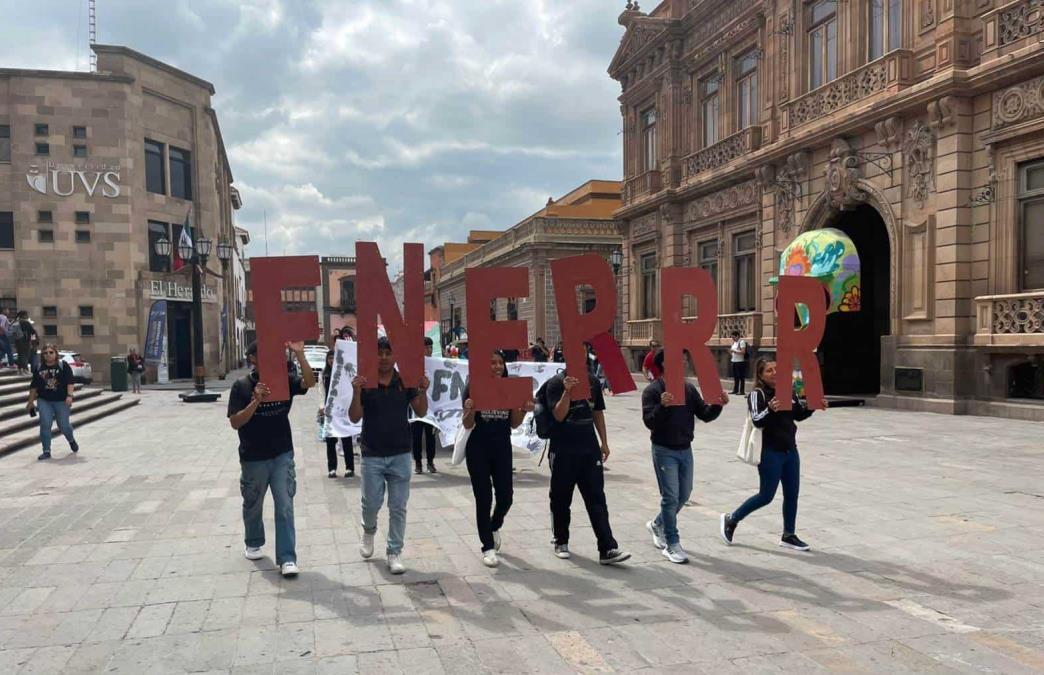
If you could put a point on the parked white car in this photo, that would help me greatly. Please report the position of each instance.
(81, 370)
(316, 357)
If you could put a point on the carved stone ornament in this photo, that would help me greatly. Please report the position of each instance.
(766, 176)
(919, 160)
(786, 181)
(742, 195)
(644, 225)
(1021, 21)
(667, 214)
(889, 133)
(1016, 104)
(941, 113)
(842, 177)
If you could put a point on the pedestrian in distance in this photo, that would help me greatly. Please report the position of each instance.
(738, 359)
(649, 368)
(672, 430)
(25, 339)
(331, 441)
(135, 368)
(266, 455)
(559, 355)
(51, 396)
(488, 455)
(780, 462)
(423, 433)
(538, 352)
(386, 447)
(579, 447)
(6, 349)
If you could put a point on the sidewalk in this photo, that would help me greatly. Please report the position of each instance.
(928, 538)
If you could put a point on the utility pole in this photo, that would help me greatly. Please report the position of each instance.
(265, 211)
(92, 32)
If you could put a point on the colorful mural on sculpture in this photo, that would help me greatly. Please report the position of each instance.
(830, 256)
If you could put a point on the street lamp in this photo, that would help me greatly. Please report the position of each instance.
(225, 249)
(616, 260)
(196, 256)
(224, 252)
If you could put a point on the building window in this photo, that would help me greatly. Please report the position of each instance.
(43, 149)
(822, 43)
(744, 255)
(885, 27)
(83, 236)
(50, 311)
(86, 330)
(180, 173)
(50, 330)
(79, 132)
(648, 305)
(45, 236)
(44, 217)
(1031, 226)
(710, 106)
(155, 175)
(348, 294)
(80, 151)
(512, 309)
(6, 230)
(458, 315)
(649, 139)
(5, 143)
(83, 217)
(493, 309)
(707, 258)
(41, 130)
(157, 262)
(86, 311)
(747, 89)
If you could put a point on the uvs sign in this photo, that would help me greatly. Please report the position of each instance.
(63, 180)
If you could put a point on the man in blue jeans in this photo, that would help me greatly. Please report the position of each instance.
(5, 339)
(266, 456)
(387, 447)
(672, 428)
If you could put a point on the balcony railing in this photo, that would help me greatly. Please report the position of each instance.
(638, 333)
(748, 324)
(721, 153)
(889, 73)
(1010, 320)
(1010, 24)
(644, 184)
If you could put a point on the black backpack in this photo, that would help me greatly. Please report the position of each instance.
(543, 416)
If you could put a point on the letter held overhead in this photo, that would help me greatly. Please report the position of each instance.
(800, 342)
(482, 286)
(679, 336)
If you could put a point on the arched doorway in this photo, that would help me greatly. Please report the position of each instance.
(851, 347)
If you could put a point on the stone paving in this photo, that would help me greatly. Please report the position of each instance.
(928, 534)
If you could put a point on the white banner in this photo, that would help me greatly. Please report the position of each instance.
(445, 396)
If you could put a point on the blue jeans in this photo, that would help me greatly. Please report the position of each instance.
(5, 349)
(255, 478)
(393, 473)
(776, 467)
(674, 477)
(49, 412)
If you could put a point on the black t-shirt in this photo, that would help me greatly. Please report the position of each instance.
(52, 382)
(576, 433)
(539, 354)
(492, 428)
(267, 434)
(385, 421)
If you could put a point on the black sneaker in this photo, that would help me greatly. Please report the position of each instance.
(44, 456)
(792, 541)
(728, 528)
(349, 474)
(74, 446)
(418, 469)
(331, 474)
(613, 557)
(431, 468)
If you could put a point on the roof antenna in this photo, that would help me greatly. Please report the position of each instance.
(92, 32)
(266, 232)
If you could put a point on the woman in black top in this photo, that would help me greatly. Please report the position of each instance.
(331, 441)
(135, 368)
(489, 462)
(780, 462)
(51, 392)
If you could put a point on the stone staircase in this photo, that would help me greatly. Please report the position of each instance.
(18, 430)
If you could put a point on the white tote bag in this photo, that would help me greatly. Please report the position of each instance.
(460, 445)
(749, 450)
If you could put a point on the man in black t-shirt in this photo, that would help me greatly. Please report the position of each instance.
(266, 456)
(576, 458)
(424, 433)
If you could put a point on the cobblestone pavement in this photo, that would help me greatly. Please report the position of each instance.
(927, 533)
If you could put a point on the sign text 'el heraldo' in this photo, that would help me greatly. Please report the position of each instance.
(63, 180)
(797, 340)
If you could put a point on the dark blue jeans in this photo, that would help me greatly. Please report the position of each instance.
(776, 467)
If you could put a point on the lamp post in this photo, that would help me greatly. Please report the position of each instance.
(616, 260)
(225, 249)
(197, 256)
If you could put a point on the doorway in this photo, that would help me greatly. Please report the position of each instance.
(179, 340)
(851, 347)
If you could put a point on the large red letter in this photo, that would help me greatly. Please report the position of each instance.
(276, 327)
(481, 286)
(678, 336)
(375, 297)
(799, 343)
(595, 326)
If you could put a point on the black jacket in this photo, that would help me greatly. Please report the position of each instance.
(673, 426)
(778, 429)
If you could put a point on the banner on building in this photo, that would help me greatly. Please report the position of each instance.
(445, 396)
(156, 333)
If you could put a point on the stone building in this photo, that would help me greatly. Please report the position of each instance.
(580, 222)
(914, 126)
(95, 168)
(338, 294)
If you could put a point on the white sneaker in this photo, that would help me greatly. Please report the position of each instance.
(253, 553)
(289, 569)
(489, 558)
(657, 535)
(366, 547)
(395, 565)
(676, 554)
(496, 540)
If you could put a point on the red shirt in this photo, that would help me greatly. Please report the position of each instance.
(649, 364)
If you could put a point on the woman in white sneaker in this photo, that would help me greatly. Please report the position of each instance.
(489, 463)
(780, 462)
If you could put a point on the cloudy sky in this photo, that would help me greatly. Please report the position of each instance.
(393, 120)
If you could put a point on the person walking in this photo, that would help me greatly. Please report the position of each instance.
(386, 444)
(331, 441)
(135, 368)
(738, 357)
(672, 429)
(51, 395)
(649, 368)
(25, 339)
(780, 462)
(423, 433)
(538, 352)
(5, 339)
(579, 447)
(559, 355)
(488, 455)
(266, 455)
